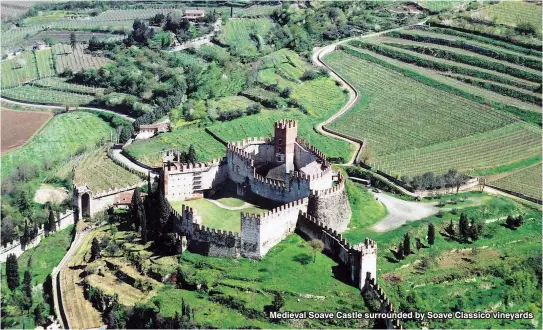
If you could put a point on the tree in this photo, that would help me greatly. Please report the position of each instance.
(8, 233)
(126, 133)
(27, 285)
(191, 156)
(431, 234)
(406, 244)
(400, 251)
(158, 19)
(143, 224)
(12, 272)
(134, 208)
(25, 238)
(418, 244)
(463, 226)
(73, 40)
(450, 228)
(519, 221)
(278, 301)
(476, 229)
(51, 224)
(39, 314)
(526, 28)
(510, 221)
(95, 249)
(317, 246)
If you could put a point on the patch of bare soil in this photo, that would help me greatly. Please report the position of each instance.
(19, 127)
(465, 257)
(48, 193)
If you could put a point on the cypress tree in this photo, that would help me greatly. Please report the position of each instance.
(400, 251)
(431, 234)
(191, 156)
(95, 249)
(163, 212)
(26, 234)
(27, 285)
(510, 221)
(519, 221)
(135, 205)
(12, 272)
(406, 244)
(463, 226)
(39, 311)
(52, 224)
(143, 222)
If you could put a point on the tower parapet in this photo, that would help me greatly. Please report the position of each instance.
(286, 131)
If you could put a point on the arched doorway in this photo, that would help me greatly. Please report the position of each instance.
(85, 205)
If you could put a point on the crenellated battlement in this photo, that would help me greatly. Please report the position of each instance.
(286, 123)
(340, 186)
(172, 167)
(330, 231)
(252, 217)
(248, 141)
(244, 155)
(302, 142)
(274, 184)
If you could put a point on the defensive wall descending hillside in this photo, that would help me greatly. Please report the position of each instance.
(63, 220)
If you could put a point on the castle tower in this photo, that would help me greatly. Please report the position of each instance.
(286, 131)
(368, 262)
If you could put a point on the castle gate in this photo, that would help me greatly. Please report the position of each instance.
(85, 205)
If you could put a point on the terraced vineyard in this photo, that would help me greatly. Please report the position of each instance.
(513, 142)
(19, 70)
(60, 84)
(60, 139)
(441, 117)
(418, 116)
(34, 94)
(246, 37)
(98, 172)
(514, 12)
(511, 84)
(527, 181)
(76, 60)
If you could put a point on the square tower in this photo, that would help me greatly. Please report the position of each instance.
(286, 131)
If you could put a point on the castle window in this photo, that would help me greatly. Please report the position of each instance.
(280, 141)
(279, 149)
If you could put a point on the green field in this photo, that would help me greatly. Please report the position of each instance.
(527, 181)
(513, 12)
(100, 173)
(60, 139)
(150, 151)
(19, 70)
(40, 261)
(246, 37)
(217, 217)
(230, 103)
(441, 5)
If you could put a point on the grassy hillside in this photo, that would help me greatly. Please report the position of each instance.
(40, 261)
(246, 37)
(60, 139)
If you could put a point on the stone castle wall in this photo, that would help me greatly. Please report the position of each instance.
(331, 206)
(187, 181)
(278, 223)
(63, 221)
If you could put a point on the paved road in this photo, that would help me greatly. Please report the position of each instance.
(354, 95)
(401, 211)
(117, 154)
(45, 106)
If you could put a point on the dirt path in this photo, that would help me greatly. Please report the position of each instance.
(401, 212)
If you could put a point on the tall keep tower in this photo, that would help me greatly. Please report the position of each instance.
(286, 131)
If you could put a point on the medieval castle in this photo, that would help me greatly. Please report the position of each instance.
(284, 170)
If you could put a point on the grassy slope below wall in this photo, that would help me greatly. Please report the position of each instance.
(40, 261)
(490, 274)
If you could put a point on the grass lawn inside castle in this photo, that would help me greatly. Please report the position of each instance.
(218, 217)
